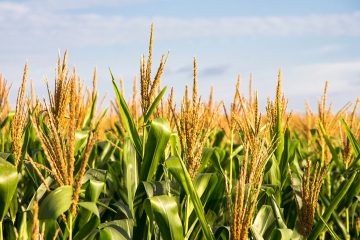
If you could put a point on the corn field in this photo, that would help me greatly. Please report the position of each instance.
(152, 168)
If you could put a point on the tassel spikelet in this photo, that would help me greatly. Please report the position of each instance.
(193, 126)
(148, 86)
(63, 114)
(20, 120)
(311, 183)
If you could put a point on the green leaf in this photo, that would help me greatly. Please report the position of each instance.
(354, 143)
(205, 185)
(177, 168)
(149, 189)
(91, 207)
(328, 143)
(154, 105)
(156, 143)
(164, 211)
(277, 213)
(8, 185)
(90, 114)
(331, 231)
(131, 175)
(87, 229)
(13, 207)
(94, 190)
(22, 230)
(285, 234)
(57, 202)
(40, 192)
(126, 118)
(343, 189)
(175, 147)
(264, 220)
(50, 226)
(116, 230)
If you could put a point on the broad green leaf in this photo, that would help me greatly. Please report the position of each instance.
(277, 213)
(285, 234)
(94, 190)
(273, 176)
(13, 207)
(264, 220)
(95, 174)
(206, 159)
(155, 146)
(126, 118)
(255, 233)
(175, 147)
(131, 174)
(146, 190)
(149, 189)
(81, 139)
(57, 202)
(40, 192)
(50, 226)
(91, 207)
(154, 105)
(8, 185)
(205, 185)
(87, 229)
(116, 230)
(164, 211)
(177, 168)
(22, 230)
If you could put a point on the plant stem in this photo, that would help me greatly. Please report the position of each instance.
(186, 220)
(347, 223)
(1, 231)
(70, 226)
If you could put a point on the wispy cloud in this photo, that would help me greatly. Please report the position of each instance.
(43, 25)
(310, 78)
(214, 71)
(11, 8)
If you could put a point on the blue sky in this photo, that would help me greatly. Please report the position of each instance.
(312, 41)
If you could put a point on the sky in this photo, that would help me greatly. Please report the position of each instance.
(311, 41)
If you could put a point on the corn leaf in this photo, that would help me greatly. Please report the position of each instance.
(116, 230)
(155, 146)
(354, 143)
(154, 105)
(57, 202)
(177, 168)
(264, 221)
(8, 185)
(131, 174)
(126, 118)
(164, 211)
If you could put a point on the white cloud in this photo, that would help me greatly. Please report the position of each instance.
(310, 79)
(14, 9)
(44, 24)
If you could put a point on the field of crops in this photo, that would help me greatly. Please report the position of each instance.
(151, 168)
